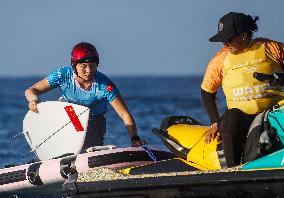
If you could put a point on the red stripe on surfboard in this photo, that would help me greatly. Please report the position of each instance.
(74, 118)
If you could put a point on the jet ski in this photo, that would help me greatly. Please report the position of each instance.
(198, 169)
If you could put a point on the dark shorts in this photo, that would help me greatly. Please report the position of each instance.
(96, 132)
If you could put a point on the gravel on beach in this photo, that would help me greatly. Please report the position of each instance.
(105, 174)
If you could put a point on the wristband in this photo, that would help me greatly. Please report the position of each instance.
(214, 124)
(135, 138)
(35, 99)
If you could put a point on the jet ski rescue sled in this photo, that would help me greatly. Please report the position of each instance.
(48, 176)
(233, 184)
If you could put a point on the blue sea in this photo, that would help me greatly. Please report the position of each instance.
(149, 99)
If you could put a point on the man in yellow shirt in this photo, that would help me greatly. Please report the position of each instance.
(233, 67)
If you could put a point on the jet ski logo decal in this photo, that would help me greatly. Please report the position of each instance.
(282, 163)
(74, 118)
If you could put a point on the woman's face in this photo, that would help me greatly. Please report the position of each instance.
(237, 44)
(86, 71)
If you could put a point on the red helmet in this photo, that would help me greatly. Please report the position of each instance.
(84, 52)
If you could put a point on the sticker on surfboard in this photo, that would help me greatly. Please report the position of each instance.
(57, 129)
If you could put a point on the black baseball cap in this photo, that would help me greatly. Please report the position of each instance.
(231, 25)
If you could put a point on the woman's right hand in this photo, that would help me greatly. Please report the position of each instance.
(33, 106)
(34, 91)
(211, 133)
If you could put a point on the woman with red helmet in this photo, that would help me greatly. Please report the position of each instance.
(82, 84)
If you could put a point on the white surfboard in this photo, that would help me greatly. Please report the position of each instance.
(58, 128)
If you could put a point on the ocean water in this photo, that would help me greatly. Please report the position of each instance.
(149, 99)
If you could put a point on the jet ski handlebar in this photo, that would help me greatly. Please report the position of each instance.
(274, 79)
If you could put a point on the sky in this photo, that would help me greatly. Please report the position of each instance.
(133, 37)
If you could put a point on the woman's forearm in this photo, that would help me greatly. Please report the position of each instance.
(120, 107)
(209, 102)
(37, 89)
(130, 124)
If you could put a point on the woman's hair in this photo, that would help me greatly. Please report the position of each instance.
(251, 25)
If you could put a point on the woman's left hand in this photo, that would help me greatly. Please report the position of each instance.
(211, 134)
